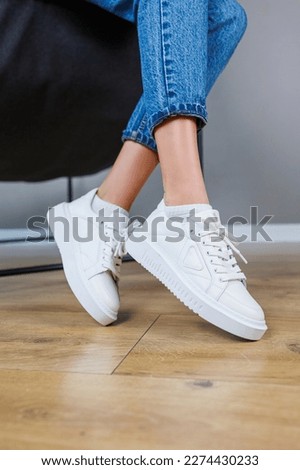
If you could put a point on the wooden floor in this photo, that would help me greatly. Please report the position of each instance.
(160, 378)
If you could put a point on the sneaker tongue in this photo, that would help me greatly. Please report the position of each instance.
(208, 220)
(210, 216)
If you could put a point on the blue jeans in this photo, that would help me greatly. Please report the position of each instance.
(184, 47)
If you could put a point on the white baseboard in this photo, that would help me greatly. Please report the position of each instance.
(279, 233)
(285, 242)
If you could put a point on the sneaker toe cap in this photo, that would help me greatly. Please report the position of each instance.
(237, 298)
(105, 291)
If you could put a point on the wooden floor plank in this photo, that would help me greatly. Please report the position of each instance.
(178, 382)
(49, 410)
(44, 328)
(178, 346)
(185, 345)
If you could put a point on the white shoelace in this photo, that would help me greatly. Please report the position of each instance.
(221, 251)
(113, 251)
(220, 248)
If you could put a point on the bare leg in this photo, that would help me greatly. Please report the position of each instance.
(180, 165)
(183, 182)
(129, 173)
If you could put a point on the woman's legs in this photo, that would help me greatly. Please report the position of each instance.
(174, 83)
(177, 137)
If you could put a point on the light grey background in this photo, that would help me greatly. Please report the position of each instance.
(252, 141)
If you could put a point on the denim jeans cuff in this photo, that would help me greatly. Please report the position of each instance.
(186, 109)
(140, 138)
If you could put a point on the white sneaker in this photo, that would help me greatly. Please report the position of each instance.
(200, 269)
(91, 248)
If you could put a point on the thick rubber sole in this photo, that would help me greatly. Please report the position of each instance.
(200, 303)
(77, 282)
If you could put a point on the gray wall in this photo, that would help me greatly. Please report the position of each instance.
(252, 142)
